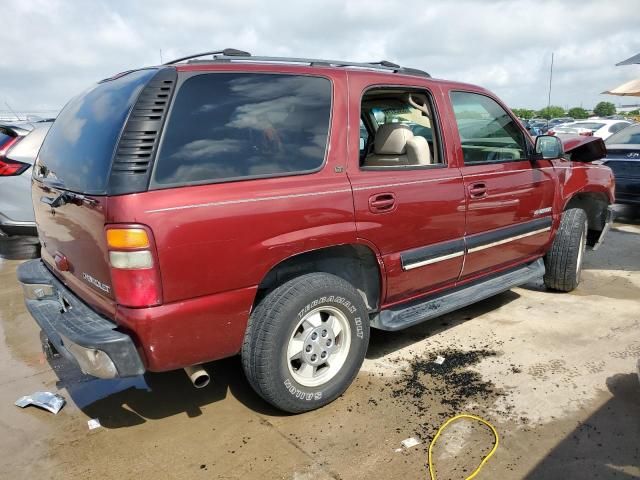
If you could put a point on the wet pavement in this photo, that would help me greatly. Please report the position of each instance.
(555, 373)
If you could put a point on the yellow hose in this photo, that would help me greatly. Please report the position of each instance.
(432, 470)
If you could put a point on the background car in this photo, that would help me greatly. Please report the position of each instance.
(18, 233)
(597, 128)
(623, 157)
(554, 122)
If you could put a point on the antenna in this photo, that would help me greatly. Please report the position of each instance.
(11, 109)
(160, 56)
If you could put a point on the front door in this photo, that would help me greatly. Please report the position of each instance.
(409, 203)
(509, 197)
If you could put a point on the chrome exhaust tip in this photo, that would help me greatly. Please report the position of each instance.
(198, 376)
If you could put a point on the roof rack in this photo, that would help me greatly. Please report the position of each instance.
(233, 55)
(227, 52)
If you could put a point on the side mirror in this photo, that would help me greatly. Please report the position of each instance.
(548, 146)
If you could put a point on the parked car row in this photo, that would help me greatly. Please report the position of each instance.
(601, 128)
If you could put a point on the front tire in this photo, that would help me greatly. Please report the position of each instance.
(305, 342)
(563, 262)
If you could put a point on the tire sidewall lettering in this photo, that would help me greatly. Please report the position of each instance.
(290, 385)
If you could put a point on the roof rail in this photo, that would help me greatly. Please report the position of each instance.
(233, 55)
(227, 52)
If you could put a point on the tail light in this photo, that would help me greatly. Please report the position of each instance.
(550, 132)
(134, 266)
(8, 167)
(588, 133)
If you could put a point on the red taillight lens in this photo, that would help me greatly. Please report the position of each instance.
(550, 132)
(8, 167)
(134, 266)
(136, 288)
(586, 134)
(11, 168)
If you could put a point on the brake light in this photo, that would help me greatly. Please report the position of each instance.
(134, 266)
(551, 132)
(8, 167)
(588, 133)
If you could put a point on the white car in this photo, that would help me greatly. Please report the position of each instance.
(602, 128)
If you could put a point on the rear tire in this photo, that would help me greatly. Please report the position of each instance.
(563, 262)
(305, 342)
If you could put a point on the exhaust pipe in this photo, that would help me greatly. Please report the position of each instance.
(198, 376)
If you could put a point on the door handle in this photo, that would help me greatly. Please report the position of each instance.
(382, 202)
(478, 190)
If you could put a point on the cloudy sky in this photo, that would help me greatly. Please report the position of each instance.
(52, 49)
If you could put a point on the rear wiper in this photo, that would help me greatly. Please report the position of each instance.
(67, 197)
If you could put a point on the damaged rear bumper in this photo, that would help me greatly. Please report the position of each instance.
(74, 329)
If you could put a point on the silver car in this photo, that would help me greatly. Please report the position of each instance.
(18, 234)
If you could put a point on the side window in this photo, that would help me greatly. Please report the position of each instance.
(226, 126)
(487, 132)
(404, 130)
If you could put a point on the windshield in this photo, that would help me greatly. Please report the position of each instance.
(628, 135)
(77, 152)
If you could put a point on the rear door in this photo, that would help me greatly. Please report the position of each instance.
(412, 214)
(509, 199)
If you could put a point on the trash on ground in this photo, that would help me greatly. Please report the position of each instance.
(439, 360)
(410, 442)
(47, 400)
(93, 423)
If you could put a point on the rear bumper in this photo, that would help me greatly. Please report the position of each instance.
(628, 190)
(610, 216)
(627, 198)
(74, 329)
(10, 228)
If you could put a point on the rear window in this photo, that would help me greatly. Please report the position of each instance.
(4, 136)
(77, 152)
(629, 135)
(227, 126)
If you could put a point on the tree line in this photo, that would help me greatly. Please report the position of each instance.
(602, 109)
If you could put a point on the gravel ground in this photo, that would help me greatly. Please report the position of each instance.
(555, 373)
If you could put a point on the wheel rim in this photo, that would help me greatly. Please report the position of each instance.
(318, 346)
(581, 248)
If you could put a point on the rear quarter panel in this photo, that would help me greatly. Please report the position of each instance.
(227, 236)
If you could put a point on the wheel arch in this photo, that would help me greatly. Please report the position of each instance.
(356, 263)
(595, 205)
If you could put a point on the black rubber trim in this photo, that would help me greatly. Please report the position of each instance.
(77, 322)
(138, 142)
(430, 252)
(481, 239)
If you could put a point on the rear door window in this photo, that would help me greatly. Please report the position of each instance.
(229, 126)
(77, 153)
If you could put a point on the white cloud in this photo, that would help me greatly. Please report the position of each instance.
(52, 49)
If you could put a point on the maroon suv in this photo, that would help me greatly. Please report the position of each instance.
(280, 208)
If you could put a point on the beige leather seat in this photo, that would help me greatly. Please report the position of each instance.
(395, 145)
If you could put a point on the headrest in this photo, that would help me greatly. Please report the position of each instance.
(391, 139)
